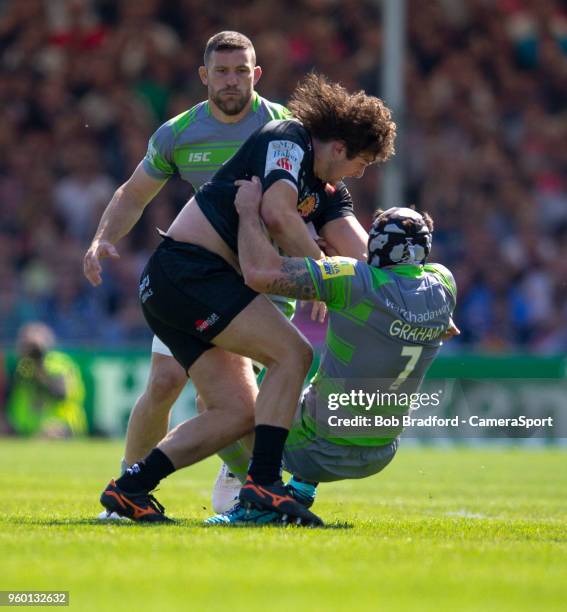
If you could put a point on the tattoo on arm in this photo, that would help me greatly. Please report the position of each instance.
(294, 280)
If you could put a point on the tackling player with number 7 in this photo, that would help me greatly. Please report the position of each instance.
(387, 320)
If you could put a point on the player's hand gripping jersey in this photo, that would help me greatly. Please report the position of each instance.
(385, 329)
(281, 150)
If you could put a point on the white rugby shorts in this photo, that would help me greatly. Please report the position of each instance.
(159, 347)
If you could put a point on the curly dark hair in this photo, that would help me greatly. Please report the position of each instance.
(364, 123)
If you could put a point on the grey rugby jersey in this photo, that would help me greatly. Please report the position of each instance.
(385, 328)
(195, 144)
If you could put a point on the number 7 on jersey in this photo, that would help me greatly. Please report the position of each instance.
(414, 353)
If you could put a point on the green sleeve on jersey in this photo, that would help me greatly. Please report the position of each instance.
(158, 161)
(332, 278)
(445, 276)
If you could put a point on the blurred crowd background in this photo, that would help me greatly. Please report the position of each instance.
(84, 83)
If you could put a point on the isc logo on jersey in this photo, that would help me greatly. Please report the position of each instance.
(284, 155)
(331, 267)
(200, 156)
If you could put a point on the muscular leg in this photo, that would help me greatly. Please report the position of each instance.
(149, 420)
(235, 456)
(227, 387)
(264, 334)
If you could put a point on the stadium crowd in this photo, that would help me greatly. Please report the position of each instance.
(84, 83)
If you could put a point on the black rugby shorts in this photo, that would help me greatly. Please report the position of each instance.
(188, 296)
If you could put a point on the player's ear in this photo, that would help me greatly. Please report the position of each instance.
(257, 73)
(339, 149)
(203, 75)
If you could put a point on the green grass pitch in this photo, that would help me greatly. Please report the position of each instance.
(440, 529)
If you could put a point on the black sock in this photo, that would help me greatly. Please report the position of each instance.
(265, 467)
(146, 474)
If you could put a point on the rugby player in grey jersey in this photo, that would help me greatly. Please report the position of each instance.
(194, 145)
(387, 319)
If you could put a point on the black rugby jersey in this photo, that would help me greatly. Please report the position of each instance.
(279, 150)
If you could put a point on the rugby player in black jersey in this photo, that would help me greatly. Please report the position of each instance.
(195, 300)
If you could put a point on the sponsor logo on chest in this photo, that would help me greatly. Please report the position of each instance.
(199, 156)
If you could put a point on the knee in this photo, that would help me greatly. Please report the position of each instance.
(238, 415)
(304, 355)
(166, 382)
(296, 354)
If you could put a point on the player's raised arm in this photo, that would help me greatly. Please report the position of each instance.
(121, 214)
(264, 270)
